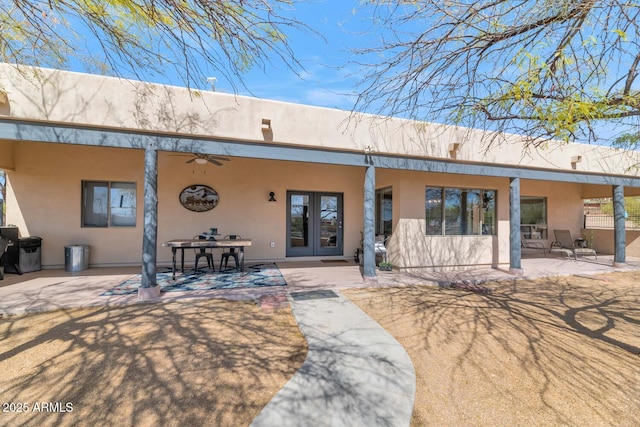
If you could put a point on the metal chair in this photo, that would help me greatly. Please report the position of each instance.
(565, 244)
(231, 253)
(202, 252)
(531, 243)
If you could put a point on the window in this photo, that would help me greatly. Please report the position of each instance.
(461, 212)
(108, 204)
(433, 208)
(384, 211)
(533, 217)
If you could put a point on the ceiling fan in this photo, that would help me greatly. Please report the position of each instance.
(203, 159)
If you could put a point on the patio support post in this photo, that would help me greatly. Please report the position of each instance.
(149, 289)
(619, 226)
(369, 264)
(515, 251)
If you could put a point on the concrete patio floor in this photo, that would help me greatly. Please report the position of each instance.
(54, 289)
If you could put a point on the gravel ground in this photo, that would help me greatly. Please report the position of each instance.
(188, 363)
(559, 351)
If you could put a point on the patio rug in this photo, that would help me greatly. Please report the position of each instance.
(254, 276)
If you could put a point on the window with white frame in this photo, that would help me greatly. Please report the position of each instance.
(108, 204)
(460, 212)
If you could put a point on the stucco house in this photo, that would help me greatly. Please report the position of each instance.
(103, 161)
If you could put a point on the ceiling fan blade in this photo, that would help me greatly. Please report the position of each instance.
(215, 162)
(191, 160)
(226, 159)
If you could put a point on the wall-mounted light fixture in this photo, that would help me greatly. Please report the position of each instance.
(266, 125)
(574, 161)
(272, 196)
(453, 150)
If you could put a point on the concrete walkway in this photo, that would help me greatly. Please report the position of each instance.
(355, 374)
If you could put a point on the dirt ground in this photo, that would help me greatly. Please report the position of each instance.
(188, 363)
(560, 351)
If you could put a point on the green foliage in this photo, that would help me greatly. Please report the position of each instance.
(533, 211)
(543, 69)
(385, 266)
(627, 140)
(631, 205)
(141, 38)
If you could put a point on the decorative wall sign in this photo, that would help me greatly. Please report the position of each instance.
(199, 198)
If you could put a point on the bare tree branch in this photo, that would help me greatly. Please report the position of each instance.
(142, 38)
(564, 69)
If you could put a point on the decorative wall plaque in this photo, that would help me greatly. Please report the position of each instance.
(199, 198)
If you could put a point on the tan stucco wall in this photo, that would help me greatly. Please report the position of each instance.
(44, 179)
(599, 191)
(44, 198)
(564, 205)
(603, 241)
(410, 247)
(55, 96)
(6, 155)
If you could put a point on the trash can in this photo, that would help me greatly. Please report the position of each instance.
(29, 256)
(76, 257)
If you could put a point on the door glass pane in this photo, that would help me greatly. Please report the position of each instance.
(328, 221)
(299, 233)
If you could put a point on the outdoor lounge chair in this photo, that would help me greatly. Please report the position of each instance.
(531, 243)
(565, 244)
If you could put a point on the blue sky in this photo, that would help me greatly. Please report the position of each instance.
(326, 81)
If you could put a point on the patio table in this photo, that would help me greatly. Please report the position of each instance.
(183, 244)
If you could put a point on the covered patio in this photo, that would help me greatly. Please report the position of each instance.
(456, 203)
(53, 289)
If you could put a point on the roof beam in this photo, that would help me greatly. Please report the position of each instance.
(64, 134)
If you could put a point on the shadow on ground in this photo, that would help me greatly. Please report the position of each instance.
(549, 351)
(206, 362)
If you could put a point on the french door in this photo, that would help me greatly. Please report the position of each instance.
(314, 223)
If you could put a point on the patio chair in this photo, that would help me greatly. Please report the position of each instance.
(532, 243)
(202, 252)
(565, 244)
(231, 253)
